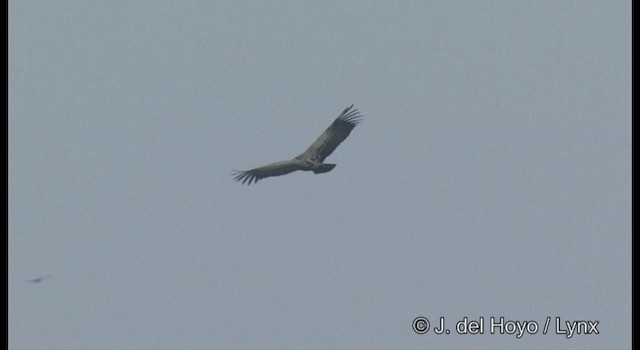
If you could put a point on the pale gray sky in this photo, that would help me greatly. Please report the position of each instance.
(491, 175)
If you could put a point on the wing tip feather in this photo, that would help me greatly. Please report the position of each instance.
(245, 177)
(350, 116)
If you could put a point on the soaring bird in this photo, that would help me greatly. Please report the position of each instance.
(312, 159)
(39, 279)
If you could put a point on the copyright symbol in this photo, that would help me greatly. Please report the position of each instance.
(420, 325)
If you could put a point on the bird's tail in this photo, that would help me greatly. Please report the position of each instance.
(323, 168)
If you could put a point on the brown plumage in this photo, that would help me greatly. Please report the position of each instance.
(312, 159)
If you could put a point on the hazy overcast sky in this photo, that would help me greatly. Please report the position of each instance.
(491, 175)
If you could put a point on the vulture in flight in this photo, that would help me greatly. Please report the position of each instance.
(312, 159)
(39, 279)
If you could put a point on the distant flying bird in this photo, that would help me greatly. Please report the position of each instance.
(39, 279)
(312, 159)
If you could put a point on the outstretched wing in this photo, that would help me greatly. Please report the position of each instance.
(334, 135)
(273, 169)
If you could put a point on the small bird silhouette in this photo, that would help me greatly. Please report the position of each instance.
(39, 279)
